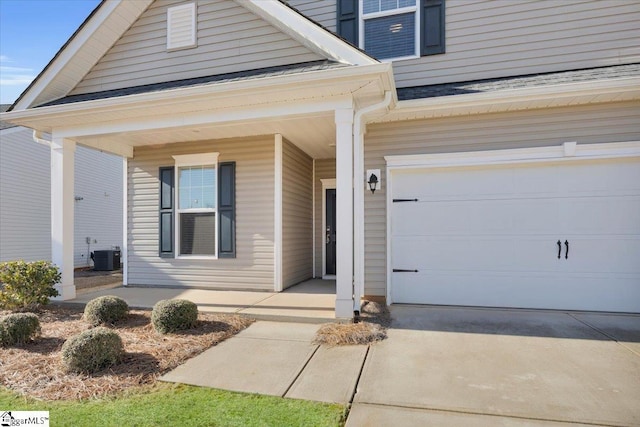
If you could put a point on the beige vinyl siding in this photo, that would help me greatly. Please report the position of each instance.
(497, 38)
(229, 39)
(253, 267)
(321, 11)
(297, 215)
(586, 124)
(324, 169)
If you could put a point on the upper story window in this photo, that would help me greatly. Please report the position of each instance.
(393, 29)
(389, 28)
(181, 26)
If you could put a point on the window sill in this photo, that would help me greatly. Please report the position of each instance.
(197, 257)
(401, 58)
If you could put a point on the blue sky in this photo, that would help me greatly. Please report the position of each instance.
(31, 32)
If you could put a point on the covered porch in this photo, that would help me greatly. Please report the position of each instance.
(319, 111)
(312, 301)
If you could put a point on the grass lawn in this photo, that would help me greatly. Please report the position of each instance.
(170, 404)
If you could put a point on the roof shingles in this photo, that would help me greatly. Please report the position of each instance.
(519, 82)
(202, 81)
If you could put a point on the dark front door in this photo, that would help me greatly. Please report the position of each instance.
(330, 232)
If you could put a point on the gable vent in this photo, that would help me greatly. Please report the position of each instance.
(181, 26)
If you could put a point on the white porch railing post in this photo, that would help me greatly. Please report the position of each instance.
(344, 212)
(62, 207)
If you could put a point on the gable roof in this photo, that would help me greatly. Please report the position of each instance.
(111, 19)
(200, 81)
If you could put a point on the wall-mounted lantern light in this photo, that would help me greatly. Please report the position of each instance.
(373, 180)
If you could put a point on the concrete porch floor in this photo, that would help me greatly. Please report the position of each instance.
(312, 301)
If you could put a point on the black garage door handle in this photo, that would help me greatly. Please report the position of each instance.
(566, 254)
(400, 270)
(559, 248)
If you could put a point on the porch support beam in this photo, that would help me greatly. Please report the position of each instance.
(205, 118)
(62, 207)
(344, 212)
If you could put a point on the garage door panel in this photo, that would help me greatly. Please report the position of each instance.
(600, 177)
(478, 217)
(475, 254)
(525, 291)
(500, 181)
(603, 254)
(487, 235)
(600, 215)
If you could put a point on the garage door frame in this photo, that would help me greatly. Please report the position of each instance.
(567, 152)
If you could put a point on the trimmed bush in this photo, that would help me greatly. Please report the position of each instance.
(18, 328)
(92, 350)
(173, 315)
(108, 310)
(27, 284)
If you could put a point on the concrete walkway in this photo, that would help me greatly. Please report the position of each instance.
(277, 359)
(446, 367)
(312, 301)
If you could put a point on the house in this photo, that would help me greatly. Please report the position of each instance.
(25, 199)
(481, 153)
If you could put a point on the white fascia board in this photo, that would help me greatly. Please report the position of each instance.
(306, 32)
(66, 56)
(623, 89)
(180, 95)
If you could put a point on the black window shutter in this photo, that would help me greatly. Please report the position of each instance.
(227, 210)
(432, 27)
(166, 211)
(347, 20)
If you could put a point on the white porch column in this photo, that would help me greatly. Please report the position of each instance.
(62, 204)
(344, 212)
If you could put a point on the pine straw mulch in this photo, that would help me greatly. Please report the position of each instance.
(371, 327)
(35, 369)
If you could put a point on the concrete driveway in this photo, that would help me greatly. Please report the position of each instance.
(480, 367)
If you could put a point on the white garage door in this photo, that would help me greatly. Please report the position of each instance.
(561, 235)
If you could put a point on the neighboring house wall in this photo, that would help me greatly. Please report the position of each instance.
(549, 127)
(297, 215)
(324, 169)
(229, 38)
(98, 180)
(25, 199)
(253, 267)
(321, 11)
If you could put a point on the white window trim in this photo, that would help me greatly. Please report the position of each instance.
(186, 160)
(409, 9)
(193, 42)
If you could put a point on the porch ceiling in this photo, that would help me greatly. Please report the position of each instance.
(314, 134)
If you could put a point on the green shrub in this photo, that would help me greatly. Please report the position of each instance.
(18, 328)
(27, 284)
(105, 310)
(172, 315)
(92, 350)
